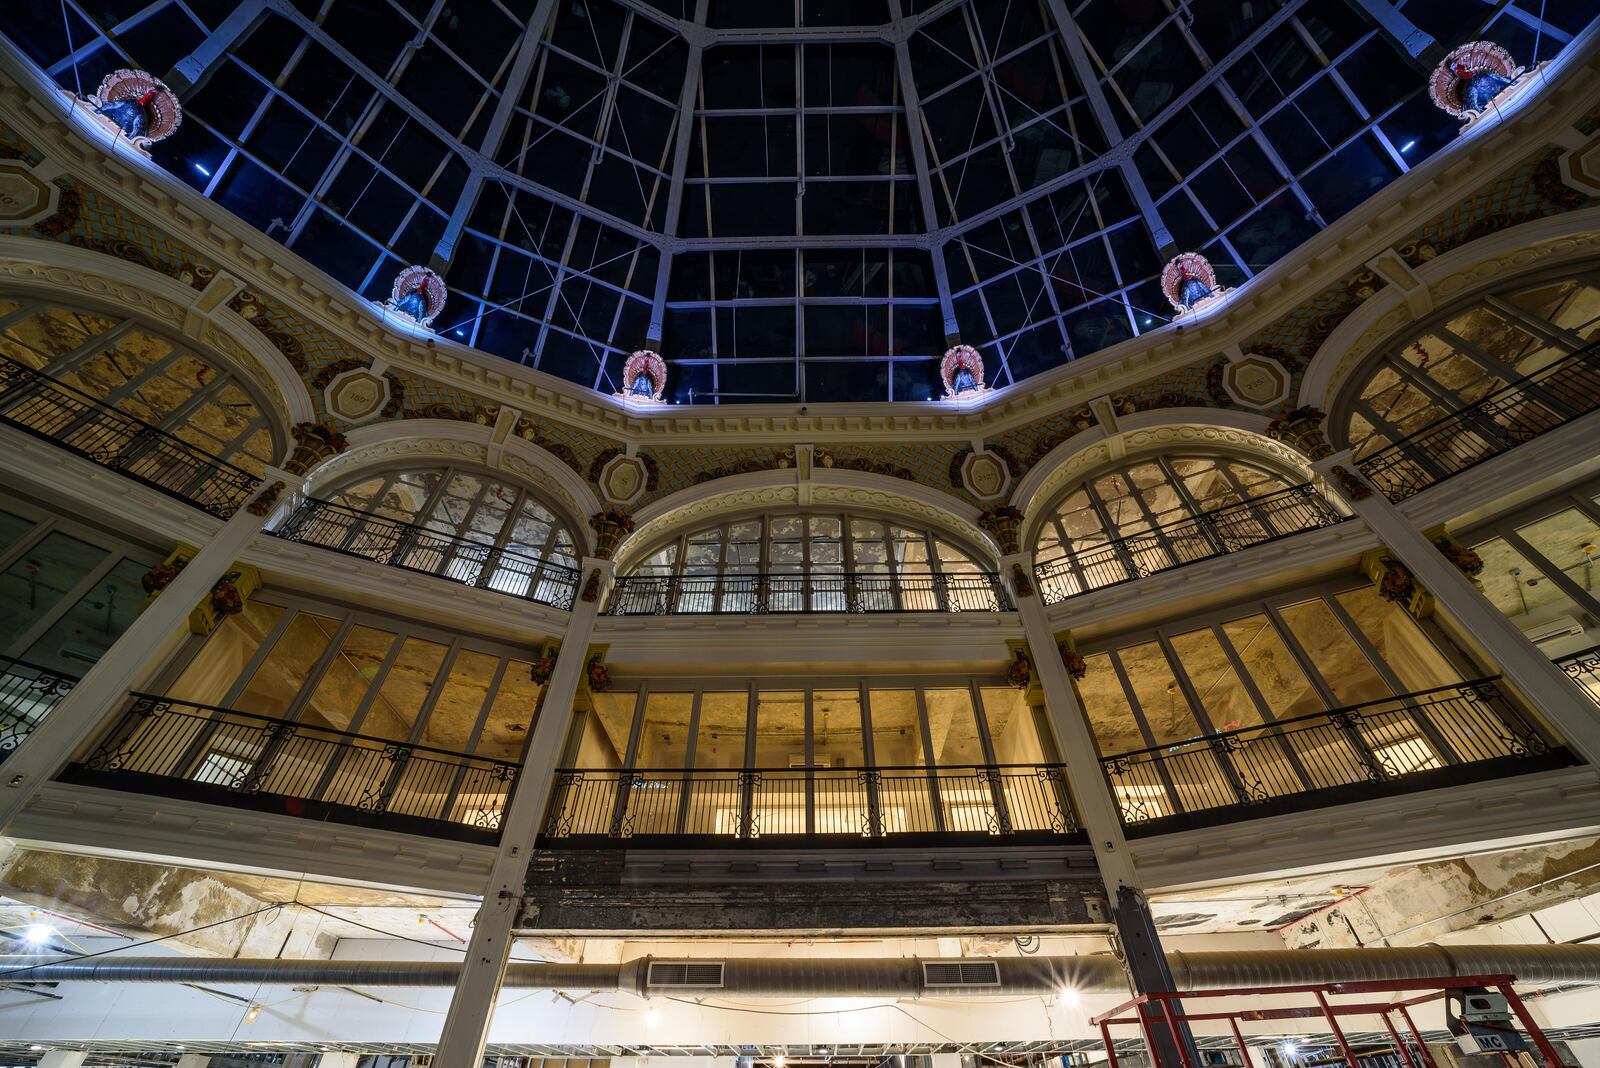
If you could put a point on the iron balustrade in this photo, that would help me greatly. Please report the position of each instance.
(175, 748)
(665, 595)
(1583, 668)
(28, 693)
(1376, 744)
(859, 802)
(1199, 537)
(32, 401)
(1498, 422)
(399, 544)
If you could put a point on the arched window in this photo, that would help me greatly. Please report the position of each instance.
(458, 503)
(808, 562)
(1467, 353)
(1139, 517)
(141, 373)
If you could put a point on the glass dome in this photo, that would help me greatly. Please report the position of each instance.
(805, 201)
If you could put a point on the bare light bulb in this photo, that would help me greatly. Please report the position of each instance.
(651, 1018)
(40, 933)
(252, 1013)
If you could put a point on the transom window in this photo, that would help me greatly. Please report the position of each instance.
(1465, 354)
(819, 562)
(143, 374)
(1145, 494)
(475, 506)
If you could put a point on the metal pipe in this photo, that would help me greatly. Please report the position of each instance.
(850, 977)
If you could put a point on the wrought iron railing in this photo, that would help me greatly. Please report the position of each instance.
(399, 544)
(863, 802)
(32, 401)
(180, 749)
(28, 693)
(1583, 668)
(1513, 414)
(665, 595)
(1373, 745)
(1200, 537)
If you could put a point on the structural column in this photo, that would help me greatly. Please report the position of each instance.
(466, 1026)
(106, 684)
(1144, 959)
(1544, 684)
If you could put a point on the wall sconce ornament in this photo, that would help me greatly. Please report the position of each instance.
(1004, 524)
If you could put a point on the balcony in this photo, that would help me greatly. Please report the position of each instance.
(782, 805)
(670, 595)
(1516, 413)
(28, 693)
(1187, 541)
(219, 756)
(1455, 734)
(1583, 668)
(397, 544)
(37, 404)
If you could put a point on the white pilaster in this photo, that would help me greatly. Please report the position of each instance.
(338, 1060)
(62, 1058)
(1520, 661)
(196, 1060)
(1097, 809)
(104, 686)
(466, 1026)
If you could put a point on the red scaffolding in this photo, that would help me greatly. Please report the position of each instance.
(1160, 1010)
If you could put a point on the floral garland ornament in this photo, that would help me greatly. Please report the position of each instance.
(418, 295)
(1353, 487)
(138, 106)
(1020, 672)
(226, 600)
(1021, 581)
(1472, 79)
(1190, 283)
(1396, 584)
(591, 588)
(644, 378)
(542, 669)
(1301, 428)
(599, 677)
(1004, 523)
(962, 372)
(160, 577)
(1467, 562)
(610, 527)
(1077, 667)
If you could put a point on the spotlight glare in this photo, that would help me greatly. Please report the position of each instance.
(39, 934)
(651, 1018)
(779, 1061)
(1066, 996)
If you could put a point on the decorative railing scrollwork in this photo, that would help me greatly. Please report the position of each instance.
(761, 594)
(28, 693)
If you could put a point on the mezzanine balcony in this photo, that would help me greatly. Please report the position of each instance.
(38, 404)
(763, 594)
(177, 749)
(822, 805)
(1466, 732)
(1187, 541)
(28, 693)
(1498, 422)
(414, 548)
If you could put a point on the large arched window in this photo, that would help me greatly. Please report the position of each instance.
(1465, 354)
(141, 373)
(459, 503)
(1140, 517)
(808, 562)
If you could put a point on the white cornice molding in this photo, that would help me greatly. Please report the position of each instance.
(41, 114)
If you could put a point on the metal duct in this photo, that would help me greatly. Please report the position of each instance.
(851, 977)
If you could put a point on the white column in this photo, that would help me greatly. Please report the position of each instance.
(196, 1060)
(105, 685)
(466, 1026)
(62, 1058)
(1544, 684)
(1097, 808)
(336, 1060)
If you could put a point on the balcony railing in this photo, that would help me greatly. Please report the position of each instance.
(197, 752)
(1584, 669)
(862, 803)
(1513, 414)
(32, 401)
(1452, 734)
(390, 541)
(1200, 537)
(667, 595)
(28, 693)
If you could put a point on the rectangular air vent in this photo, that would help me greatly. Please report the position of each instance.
(948, 973)
(685, 974)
